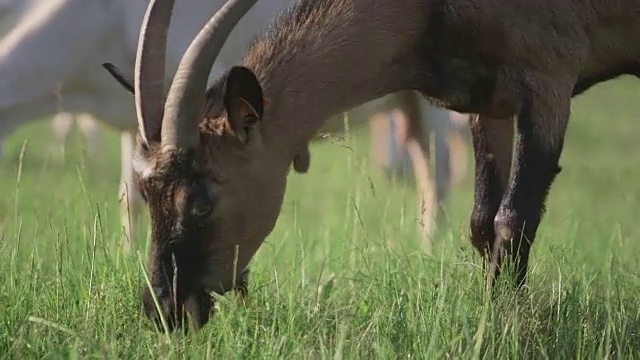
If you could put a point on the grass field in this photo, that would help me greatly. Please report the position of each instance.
(341, 276)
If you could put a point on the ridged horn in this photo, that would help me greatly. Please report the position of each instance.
(186, 98)
(149, 70)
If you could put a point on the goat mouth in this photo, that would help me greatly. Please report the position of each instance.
(179, 304)
(198, 307)
(168, 312)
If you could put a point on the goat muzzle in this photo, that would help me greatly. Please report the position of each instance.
(177, 311)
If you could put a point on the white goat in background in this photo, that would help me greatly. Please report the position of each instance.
(50, 65)
(12, 12)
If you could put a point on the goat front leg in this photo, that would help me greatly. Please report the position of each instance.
(130, 199)
(394, 119)
(492, 148)
(457, 139)
(416, 144)
(90, 128)
(62, 125)
(542, 124)
(427, 197)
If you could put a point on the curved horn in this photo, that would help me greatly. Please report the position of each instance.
(149, 72)
(186, 99)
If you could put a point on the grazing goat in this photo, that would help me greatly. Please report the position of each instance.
(65, 82)
(212, 162)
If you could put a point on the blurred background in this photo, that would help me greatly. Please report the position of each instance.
(51, 54)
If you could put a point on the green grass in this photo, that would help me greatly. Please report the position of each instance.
(341, 276)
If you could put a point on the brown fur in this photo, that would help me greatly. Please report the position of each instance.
(497, 58)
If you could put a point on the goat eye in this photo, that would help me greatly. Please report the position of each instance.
(250, 120)
(202, 210)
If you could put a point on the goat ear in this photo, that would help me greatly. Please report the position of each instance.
(244, 101)
(119, 76)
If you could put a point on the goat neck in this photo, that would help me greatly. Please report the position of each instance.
(324, 58)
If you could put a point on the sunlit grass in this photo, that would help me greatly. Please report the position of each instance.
(341, 276)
